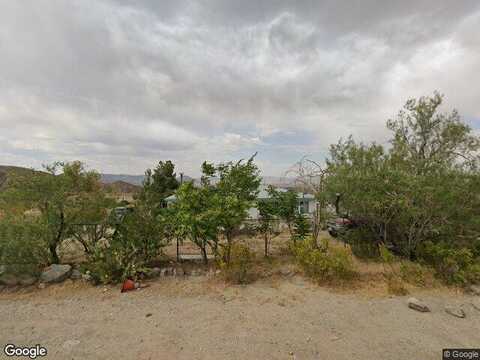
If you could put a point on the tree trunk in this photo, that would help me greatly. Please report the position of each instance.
(266, 244)
(204, 252)
(57, 240)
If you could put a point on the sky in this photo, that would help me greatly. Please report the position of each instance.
(123, 84)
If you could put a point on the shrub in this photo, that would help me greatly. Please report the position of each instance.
(361, 241)
(324, 264)
(239, 269)
(415, 273)
(137, 240)
(23, 248)
(395, 285)
(454, 266)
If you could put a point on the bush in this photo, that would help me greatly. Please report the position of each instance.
(324, 264)
(137, 240)
(23, 248)
(414, 273)
(454, 266)
(239, 269)
(362, 243)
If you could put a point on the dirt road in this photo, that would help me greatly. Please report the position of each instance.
(200, 318)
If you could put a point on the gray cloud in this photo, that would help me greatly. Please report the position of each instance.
(123, 84)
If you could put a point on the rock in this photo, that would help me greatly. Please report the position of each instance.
(474, 289)
(86, 277)
(457, 312)
(148, 315)
(41, 286)
(55, 273)
(285, 272)
(9, 280)
(417, 305)
(28, 280)
(76, 274)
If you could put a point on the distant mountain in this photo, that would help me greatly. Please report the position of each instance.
(122, 187)
(5, 170)
(131, 179)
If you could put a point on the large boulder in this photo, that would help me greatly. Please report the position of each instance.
(55, 273)
(415, 304)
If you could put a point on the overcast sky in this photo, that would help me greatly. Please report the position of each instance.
(123, 84)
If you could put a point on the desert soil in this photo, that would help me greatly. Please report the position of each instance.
(202, 318)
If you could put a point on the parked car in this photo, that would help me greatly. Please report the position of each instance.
(339, 226)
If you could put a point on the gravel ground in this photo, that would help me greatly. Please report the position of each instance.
(202, 318)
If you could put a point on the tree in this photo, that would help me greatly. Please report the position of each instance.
(424, 188)
(55, 193)
(425, 140)
(234, 193)
(266, 220)
(195, 218)
(301, 228)
(158, 185)
(312, 177)
(286, 205)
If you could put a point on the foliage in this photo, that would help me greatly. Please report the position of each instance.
(137, 240)
(286, 206)
(206, 212)
(266, 221)
(453, 265)
(325, 264)
(362, 242)
(59, 193)
(301, 227)
(426, 187)
(415, 273)
(23, 248)
(195, 217)
(234, 193)
(239, 269)
(159, 183)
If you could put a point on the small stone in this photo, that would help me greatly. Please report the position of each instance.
(56, 273)
(475, 289)
(218, 272)
(417, 305)
(41, 286)
(457, 312)
(76, 274)
(148, 315)
(86, 277)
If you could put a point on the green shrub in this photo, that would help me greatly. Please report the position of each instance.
(414, 273)
(324, 264)
(361, 241)
(395, 285)
(23, 248)
(137, 240)
(452, 265)
(239, 269)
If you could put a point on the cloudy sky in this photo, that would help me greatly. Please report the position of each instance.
(123, 84)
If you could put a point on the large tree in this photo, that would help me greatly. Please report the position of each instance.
(425, 187)
(57, 193)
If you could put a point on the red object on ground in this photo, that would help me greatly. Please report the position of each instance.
(128, 285)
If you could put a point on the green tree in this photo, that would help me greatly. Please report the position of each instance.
(234, 193)
(425, 187)
(195, 218)
(55, 193)
(159, 183)
(301, 227)
(286, 206)
(266, 222)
